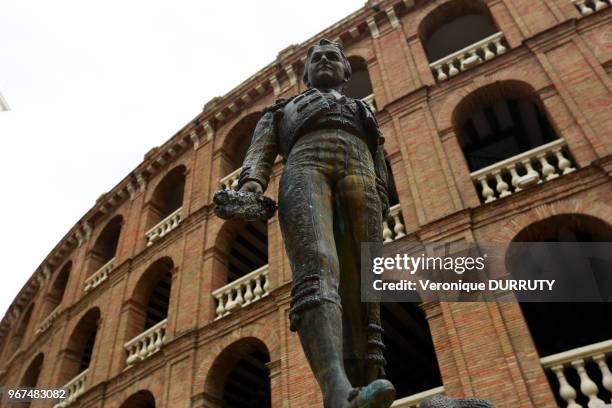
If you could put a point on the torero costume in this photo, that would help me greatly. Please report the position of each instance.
(332, 197)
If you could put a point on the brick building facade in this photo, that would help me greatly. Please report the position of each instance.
(497, 121)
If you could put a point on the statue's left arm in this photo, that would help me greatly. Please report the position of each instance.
(260, 157)
(380, 166)
(382, 177)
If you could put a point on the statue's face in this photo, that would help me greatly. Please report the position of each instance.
(326, 67)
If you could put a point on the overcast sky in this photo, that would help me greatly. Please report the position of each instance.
(92, 86)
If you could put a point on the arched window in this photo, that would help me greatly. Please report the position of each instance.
(53, 299)
(570, 337)
(412, 365)
(164, 208)
(105, 247)
(20, 330)
(458, 35)
(235, 147)
(147, 321)
(59, 284)
(77, 356)
(360, 86)
(506, 138)
(239, 377)
(142, 399)
(249, 250)
(247, 266)
(30, 377)
(102, 255)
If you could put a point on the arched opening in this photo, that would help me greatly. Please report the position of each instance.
(242, 278)
(360, 85)
(460, 25)
(412, 365)
(20, 330)
(239, 377)
(105, 246)
(249, 250)
(30, 377)
(142, 399)
(149, 314)
(77, 356)
(498, 123)
(576, 329)
(164, 207)
(235, 148)
(54, 297)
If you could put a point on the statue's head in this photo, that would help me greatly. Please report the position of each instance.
(326, 66)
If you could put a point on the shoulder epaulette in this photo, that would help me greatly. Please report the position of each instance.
(280, 102)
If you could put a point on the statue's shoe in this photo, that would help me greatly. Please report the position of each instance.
(377, 394)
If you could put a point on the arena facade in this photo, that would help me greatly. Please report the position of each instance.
(497, 121)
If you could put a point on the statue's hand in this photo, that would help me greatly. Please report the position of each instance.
(251, 187)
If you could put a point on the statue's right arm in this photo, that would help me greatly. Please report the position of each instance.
(260, 157)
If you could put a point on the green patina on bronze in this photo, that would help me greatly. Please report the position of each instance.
(332, 197)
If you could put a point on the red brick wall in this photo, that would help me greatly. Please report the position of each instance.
(482, 349)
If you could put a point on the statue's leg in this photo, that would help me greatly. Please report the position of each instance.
(359, 220)
(306, 218)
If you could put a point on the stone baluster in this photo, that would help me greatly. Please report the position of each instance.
(248, 293)
(452, 70)
(499, 47)
(230, 182)
(582, 7)
(220, 311)
(488, 54)
(258, 291)
(587, 386)
(238, 300)
(387, 233)
(399, 228)
(606, 376)
(566, 391)
(531, 173)
(515, 177)
(564, 165)
(548, 171)
(599, 4)
(472, 59)
(502, 186)
(487, 192)
(266, 284)
(440, 74)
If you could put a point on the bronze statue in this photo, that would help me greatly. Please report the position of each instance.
(332, 197)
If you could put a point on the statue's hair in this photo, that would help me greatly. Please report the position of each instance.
(347, 65)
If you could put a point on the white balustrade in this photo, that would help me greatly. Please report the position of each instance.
(519, 169)
(163, 227)
(413, 401)
(230, 182)
(99, 276)
(370, 101)
(242, 292)
(48, 322)
(587, 7)
(393, 225)
(468, 57)
(146, 343)
(74, 388)
(559, 364)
